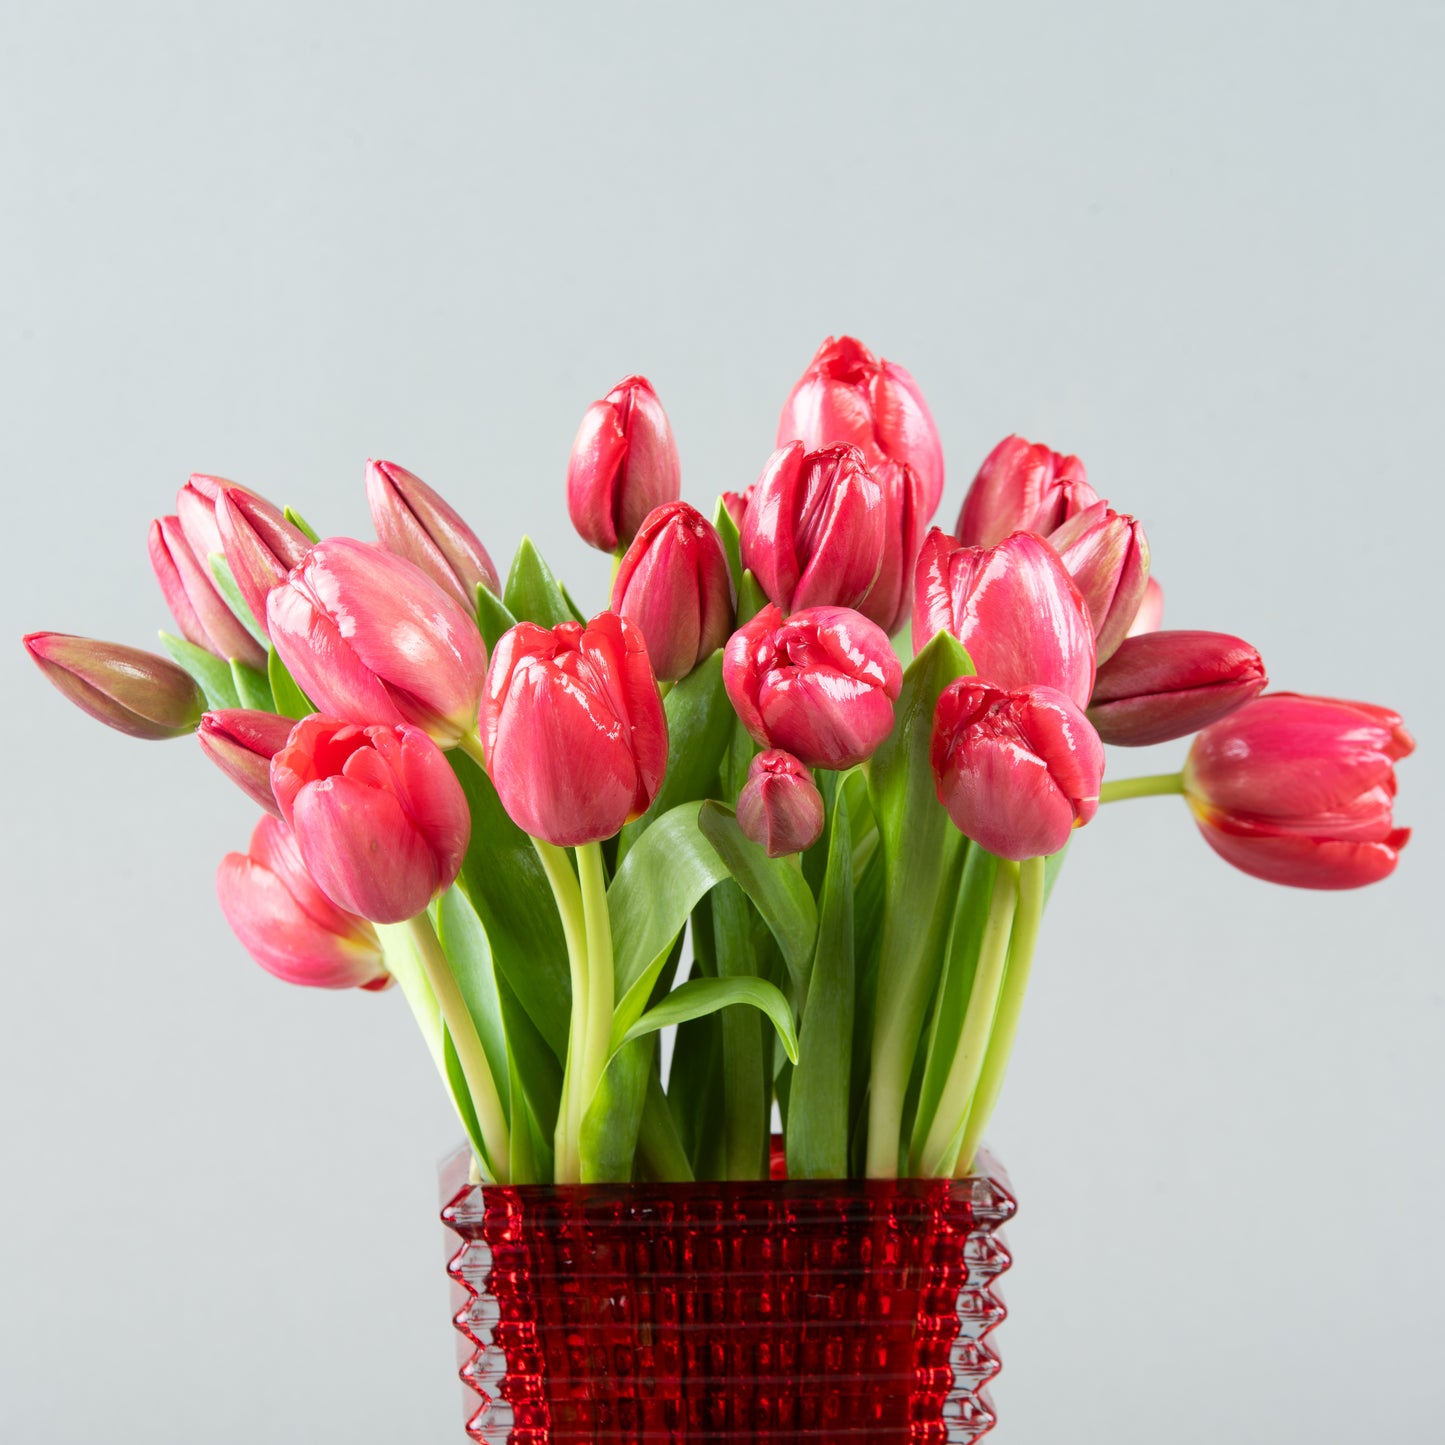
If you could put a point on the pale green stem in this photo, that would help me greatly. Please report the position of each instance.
(592, 876)
(471, 744)
(1010, 1006)
(937, 1158)
(1153, 786)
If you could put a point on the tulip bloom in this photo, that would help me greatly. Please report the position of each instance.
(414, 522)
(242, 743)
(1022, 487)
(1107, 555)
(848, 397)
(1017, 769)
(1164, 685)
(1301, 790)
(1150, 616)
(134, 692)
(573, 728)
(674, 587)
(820, 685)
(1013, 607)
(624, 463)
(780, 807)
(372, 639)
(379, 816)
(287, 924)
(199, 609)
(261, 546)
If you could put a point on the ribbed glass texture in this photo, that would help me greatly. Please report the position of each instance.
(781, 1311)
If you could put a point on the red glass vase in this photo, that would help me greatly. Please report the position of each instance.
(843, 1310)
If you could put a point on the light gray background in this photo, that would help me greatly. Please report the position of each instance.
(1200, 245)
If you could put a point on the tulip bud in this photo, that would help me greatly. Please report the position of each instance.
(196, 507)
(287, 924)
(379, 816)
(820, 685)
(736, 505)
(372, 639)
(574, 731)
(242, 743)
(199, 609)
(1107, 555)
(1013, 607)
(1022, 487)
(261, 546)
(847, 397)
(1301, 790)
(1017, 769)
(414, 522)
(674, 587)
(1164, 685)
(1150, 616)
(624, 463)
(780, 807)
(134, 692)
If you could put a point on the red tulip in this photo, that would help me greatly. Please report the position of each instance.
(848, 397)
(261, 546)
(200, 611)
(674, 587)
(820, 685)
(1022, 487)
(813, 533)
(287, 924)
(1013, 607)
(372, 639)
(1150, 616)
(242, 743)
(1107, 555)
(736, 505)
(134, 692)
(1164, 685)
(414, 522)
(1017, 769)
(379, 816)
(780, 807)
(1300, 790)
(624, 463)
(574, 731)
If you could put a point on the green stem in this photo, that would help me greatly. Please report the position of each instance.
(1151, 787)
(592, 876)
(1010, 1006)
(471, 744)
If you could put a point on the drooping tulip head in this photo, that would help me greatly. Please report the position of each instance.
(780, 807)
(242, 742)
(200, 611)
(1022, 486)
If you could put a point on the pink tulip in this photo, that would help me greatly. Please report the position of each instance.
(372, 639)
(813, 533)
(574, 731)
(736, 504)
(242, 743)
(200, 611)
(1013, 607)
(196, 508)
(287, 924)
(261, 546)
(414, 522)
(1301, 790)
(1150, 616)
(1017, 769)
(820, 685)
(1022, 487)
(134, 692)
(624, 463)
(1107, 555)
(674, 587)
(1164, 685)
(780, 807)
(379, 816)
(847, 397)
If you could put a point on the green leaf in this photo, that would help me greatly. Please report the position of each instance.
(612, 1121)
(251, 686)
(290, 700)
(464, 941)
(210, 672)
(493, 618)
(727, 531)
(523, 1164)
(577, 613)
(533, 593)
(226, 582)
(456, 1081)
(751, 598)
(539, 1069)
(701, 996)
(746, 1073)
(301, 524)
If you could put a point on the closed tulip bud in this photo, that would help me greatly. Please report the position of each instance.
(1107, 555)
(674, 587)
(414, 522)
(242, 743)
(370, 638)
(1164, 685)
(261, 546)
(736, 505)
(624, 463)
(780, 807)
(847, 396)
(134, 692)
(1150, 616)
(199, 609)
(196, 507)
(287, 924)
(820, 685)
(1013, 607)
(1301, 790)
(813, 533)
(379, 816)
(573, 726)
(1022, 487)
(1018, 769)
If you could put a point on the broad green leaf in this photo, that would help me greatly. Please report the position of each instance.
(464, 942)
(251, 686)
(737, 759)
(523, 1165)
(290, 700)
(539, 1069)
(746, 1072)
(210, 672)
(577, 613)
(301, 524)
(226, 582)
(612, 1121)
(727, 531)
(493, 618)
(751, 598)
(457, 1082)
(659, 1145)
(533, 593)
(700, 996)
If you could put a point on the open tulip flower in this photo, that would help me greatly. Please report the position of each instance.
(521, 819)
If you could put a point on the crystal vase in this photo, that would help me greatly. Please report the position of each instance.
(779, 1311)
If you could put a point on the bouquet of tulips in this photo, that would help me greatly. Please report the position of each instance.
(522, 817)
